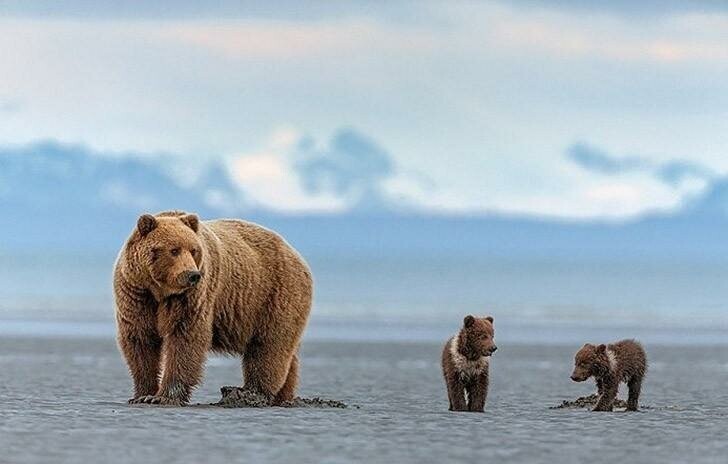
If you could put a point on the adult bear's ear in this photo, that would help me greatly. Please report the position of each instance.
(489, 319)
(146, 223)
(602, 348)
(468, 321)
(191, 220)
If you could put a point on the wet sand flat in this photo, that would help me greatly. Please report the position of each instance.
(64, 400)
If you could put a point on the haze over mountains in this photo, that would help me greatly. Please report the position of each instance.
(55, 196)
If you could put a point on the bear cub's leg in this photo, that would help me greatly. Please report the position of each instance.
(634, 385)
(456, 394)
(609, 394)
(478, 393)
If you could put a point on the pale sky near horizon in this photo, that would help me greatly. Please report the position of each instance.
(564, 108)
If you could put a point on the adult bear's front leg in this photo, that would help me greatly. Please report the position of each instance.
(187, 335)
(184, 361)
(138, 338)
(141, 350)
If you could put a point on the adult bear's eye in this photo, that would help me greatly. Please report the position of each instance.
(175, 251)
(193, 252)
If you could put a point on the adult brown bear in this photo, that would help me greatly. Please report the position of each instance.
(184, 287)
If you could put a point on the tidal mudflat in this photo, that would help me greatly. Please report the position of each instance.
(64, 400)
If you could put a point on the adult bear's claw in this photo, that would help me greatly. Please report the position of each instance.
(156, 399)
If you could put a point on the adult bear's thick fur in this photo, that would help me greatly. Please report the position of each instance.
(185, 287)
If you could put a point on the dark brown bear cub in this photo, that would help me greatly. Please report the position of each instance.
(465, 364)
(623, 361)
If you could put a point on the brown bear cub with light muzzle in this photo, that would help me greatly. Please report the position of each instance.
(623, 361)
(465, 364)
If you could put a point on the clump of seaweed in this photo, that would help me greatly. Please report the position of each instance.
(237, 397)
(587, 402)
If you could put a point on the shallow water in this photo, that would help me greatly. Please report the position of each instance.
(64, 401)
(638, 292)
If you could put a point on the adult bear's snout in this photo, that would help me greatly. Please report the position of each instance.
(193, 277)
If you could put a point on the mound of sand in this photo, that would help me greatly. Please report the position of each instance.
(587, 402)
(237, 397)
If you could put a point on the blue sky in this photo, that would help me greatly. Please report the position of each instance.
(567, 108)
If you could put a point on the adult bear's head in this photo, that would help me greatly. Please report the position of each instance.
(170, 250)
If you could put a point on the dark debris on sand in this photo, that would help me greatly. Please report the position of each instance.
(237, 397)
(587, 402)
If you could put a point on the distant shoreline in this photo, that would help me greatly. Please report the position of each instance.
(356, 331)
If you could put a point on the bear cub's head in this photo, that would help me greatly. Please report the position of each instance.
(169, 248)
(590, 360)
(477, 337)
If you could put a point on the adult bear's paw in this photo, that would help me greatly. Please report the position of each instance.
(156, 399)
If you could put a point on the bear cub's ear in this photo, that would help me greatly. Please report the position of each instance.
(191, 220)
(602, 348)
(468, 321)
(146, 224)
(489, 319)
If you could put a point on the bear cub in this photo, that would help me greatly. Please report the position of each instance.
(623, 361)
(465, 364)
